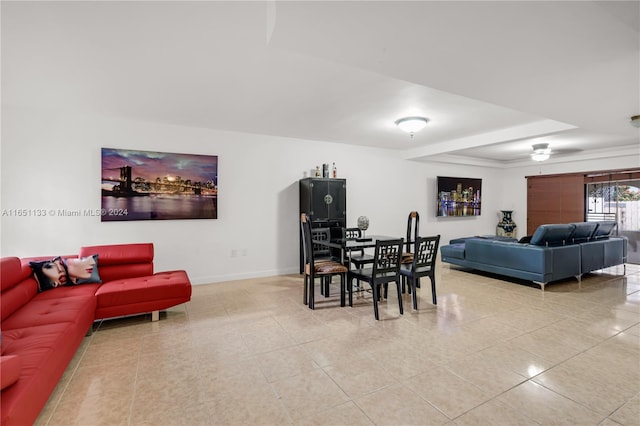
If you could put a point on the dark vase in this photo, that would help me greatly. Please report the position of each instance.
(506, 227)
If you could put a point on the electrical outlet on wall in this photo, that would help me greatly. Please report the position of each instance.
(234, 252)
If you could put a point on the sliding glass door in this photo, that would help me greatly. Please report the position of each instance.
(619, 201)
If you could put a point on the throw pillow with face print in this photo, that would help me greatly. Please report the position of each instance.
(49, 273)
(82, 270)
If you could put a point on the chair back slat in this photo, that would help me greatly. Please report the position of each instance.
(387, 257)
(351, 233)
(311, 249)
(413, 229)
(322, 234)
(307, 245)
(426, 251)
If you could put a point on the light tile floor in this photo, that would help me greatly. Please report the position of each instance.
(493, 352)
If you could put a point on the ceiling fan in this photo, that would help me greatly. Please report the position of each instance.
(542, 152)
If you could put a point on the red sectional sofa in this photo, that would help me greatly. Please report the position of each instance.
(41, 331)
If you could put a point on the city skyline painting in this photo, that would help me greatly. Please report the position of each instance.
(150, 185)
(458, 196)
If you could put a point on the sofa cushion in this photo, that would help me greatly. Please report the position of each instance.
(604, 229)
(121, 261)
(47, 310)
(17, 284)
(455, 251)
(45, 352)
(9, 370)
(459, 240)
(484, 237)
(88, 289)
(49, 273)
(525, 240)
(142, 294)
(552, 235)
(615, 251)
(11, 272)
(82, 270)
(583, 231)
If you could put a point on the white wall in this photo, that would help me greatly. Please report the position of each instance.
(51, 161)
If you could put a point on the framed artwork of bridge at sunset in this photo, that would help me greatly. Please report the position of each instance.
(149, 185)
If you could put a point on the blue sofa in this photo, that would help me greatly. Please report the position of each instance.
(554, 252)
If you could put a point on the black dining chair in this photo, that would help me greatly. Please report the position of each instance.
(413, 231)
(321, 267)
(358, 257)
(323, 252)
(422, 265)
(385, 269)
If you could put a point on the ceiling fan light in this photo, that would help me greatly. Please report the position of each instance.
(635, 121)
(539, 156)
(541, 152)
(411, 124)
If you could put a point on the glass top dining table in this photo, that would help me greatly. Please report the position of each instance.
(348, 245)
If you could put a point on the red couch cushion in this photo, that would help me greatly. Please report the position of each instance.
(70, 291)
(17, 284)
(45, 352)
(120, 261)
(11, 272)
(9, 370)
(143, 294)
(119, 254)
(48, 310)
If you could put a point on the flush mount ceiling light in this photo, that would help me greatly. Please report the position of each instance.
(541, 152)
(412, 124)
(635, 121)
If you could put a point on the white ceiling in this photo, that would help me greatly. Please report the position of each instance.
(492, 77)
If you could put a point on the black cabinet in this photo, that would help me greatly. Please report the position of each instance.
(324, 200)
